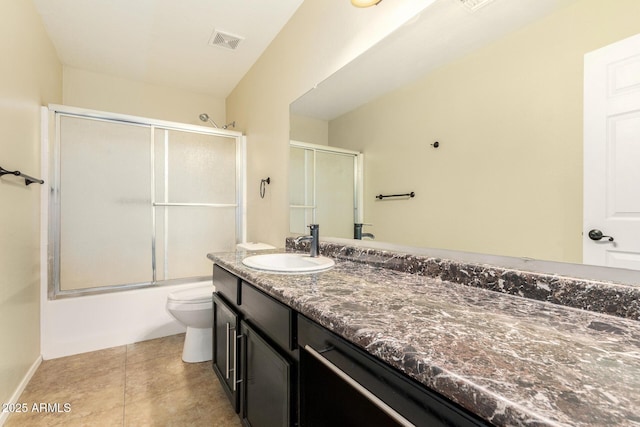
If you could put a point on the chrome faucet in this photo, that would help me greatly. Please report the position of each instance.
(358, 234)
(313, 238)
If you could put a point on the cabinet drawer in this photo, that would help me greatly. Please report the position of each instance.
(326, 399)
(274, 318)
(226, 284)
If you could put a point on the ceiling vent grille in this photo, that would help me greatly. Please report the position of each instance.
(227, 41)
(474, 5)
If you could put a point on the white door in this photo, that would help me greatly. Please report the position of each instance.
(612, 155)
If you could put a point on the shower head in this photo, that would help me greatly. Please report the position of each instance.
(205, 118)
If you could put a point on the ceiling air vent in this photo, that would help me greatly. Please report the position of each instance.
(474, 5)
(224, 40)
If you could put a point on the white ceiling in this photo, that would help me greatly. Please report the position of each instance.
(164, 42)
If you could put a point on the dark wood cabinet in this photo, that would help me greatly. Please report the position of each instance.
(225, 344)
(340, 384)
(254, 353)
(266, 382)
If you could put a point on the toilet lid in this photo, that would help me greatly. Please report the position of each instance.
(193, 295)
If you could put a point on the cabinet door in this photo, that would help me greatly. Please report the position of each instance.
(266, 386)
(225, 339)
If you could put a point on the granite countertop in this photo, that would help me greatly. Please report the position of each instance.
(511, 360)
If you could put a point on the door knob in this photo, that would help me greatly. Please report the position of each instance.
(597, 235)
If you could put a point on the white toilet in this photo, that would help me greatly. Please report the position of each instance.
(193, 307)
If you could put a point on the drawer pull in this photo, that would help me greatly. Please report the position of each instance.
(362, 390)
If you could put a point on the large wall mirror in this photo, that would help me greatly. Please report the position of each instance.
(480, 114)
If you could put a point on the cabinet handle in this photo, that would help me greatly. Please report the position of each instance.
(235, 361)
(226, 372)
(361, 389)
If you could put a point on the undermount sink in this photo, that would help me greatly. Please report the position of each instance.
(289, 263)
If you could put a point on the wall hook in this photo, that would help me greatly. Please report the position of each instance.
(435, 144)
(263, 186)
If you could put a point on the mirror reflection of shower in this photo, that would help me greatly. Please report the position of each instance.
(205, 118)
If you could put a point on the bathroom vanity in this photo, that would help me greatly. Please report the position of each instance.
(254, 351)
(365, 340)
(279, 368)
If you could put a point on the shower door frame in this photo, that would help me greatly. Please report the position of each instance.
(358, 178)
(51, 157)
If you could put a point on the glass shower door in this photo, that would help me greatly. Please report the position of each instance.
(194, 201)
(324, 188)
(137, 202)
(104, 203)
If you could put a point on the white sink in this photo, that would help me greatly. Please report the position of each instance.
(289, 263)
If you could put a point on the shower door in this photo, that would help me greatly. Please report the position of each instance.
(194, 201)
(325, 188)
(138, 203)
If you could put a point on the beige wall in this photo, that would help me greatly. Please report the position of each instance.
(310, 130)
(30, 76)
(507, 178)
(322, 36)
(113, 94)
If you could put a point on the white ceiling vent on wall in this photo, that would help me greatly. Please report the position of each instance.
(474, 5)
(227, 41)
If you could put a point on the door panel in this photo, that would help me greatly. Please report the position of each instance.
(265, 383)
(612, 154)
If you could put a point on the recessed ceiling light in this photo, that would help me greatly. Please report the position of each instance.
(365, 3)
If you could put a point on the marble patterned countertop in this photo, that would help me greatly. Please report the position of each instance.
(509, 359)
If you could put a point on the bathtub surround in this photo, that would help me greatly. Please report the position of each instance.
(94, 322)
(509, 359)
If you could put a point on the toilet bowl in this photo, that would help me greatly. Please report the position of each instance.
(193, 307)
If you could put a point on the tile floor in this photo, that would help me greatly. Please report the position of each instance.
(141, 384)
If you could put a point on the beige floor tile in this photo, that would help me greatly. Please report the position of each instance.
(144, 380)
(200, 404)
(81, 398)
(151, 349)
(112, 418)
(142, 384)
(76, 368)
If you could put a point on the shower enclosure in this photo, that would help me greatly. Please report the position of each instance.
(325, 187)
(138, 202)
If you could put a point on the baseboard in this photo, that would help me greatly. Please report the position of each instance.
(23, 384)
